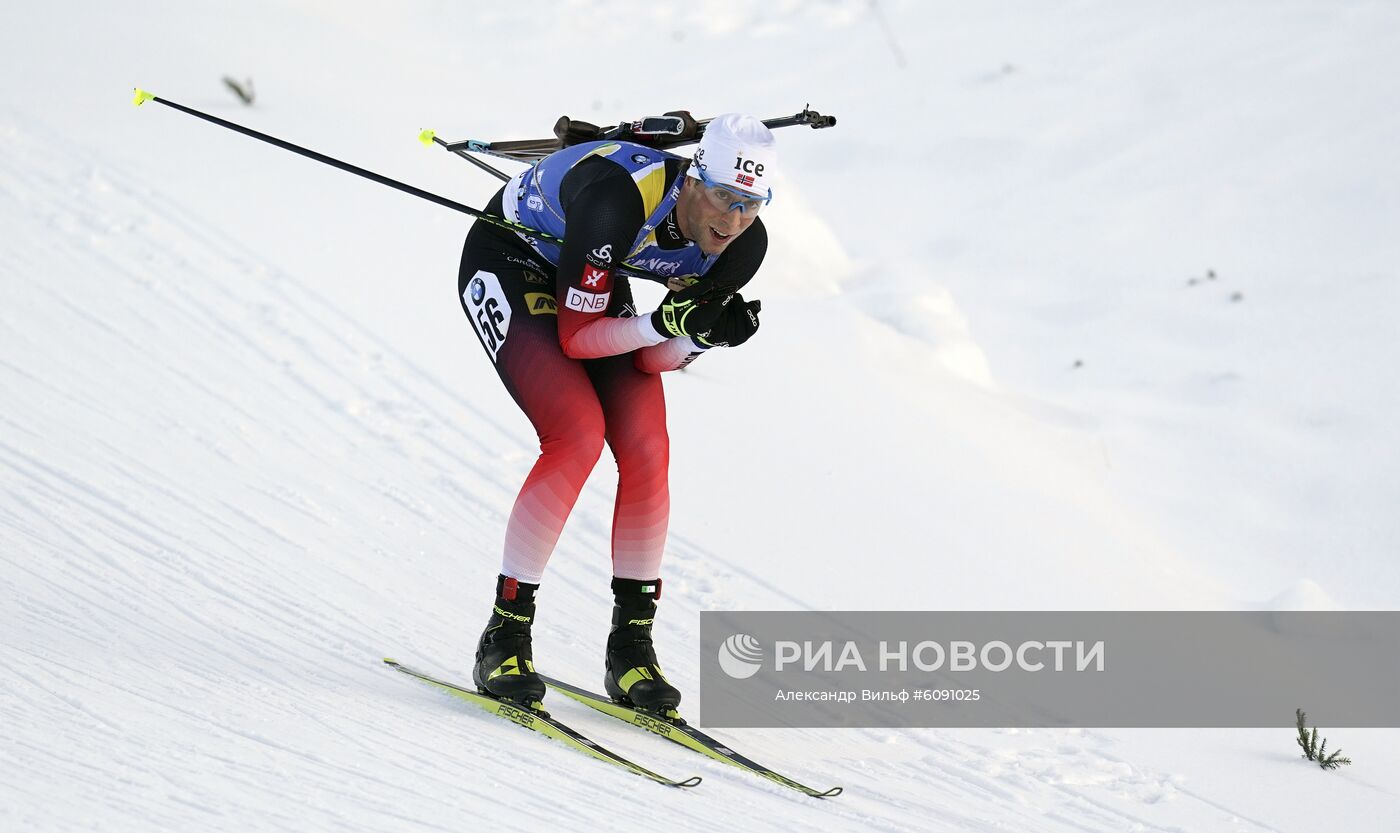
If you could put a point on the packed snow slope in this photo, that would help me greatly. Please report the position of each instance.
(1081, 305)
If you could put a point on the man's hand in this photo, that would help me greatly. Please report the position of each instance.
(736, 323)
(722, 322)
(685, 313)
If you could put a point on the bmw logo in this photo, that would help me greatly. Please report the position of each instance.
(640, 158)
(478, 290)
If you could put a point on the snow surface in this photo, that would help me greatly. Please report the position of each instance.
(1081, 306)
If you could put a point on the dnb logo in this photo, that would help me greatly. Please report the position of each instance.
(488, 310)
(587, 301)
(740, 656)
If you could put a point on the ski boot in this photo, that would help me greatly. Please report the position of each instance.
(633, 676)
(504, 668)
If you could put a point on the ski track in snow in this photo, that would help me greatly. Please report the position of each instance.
(192, 640)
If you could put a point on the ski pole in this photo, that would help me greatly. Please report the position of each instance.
(142, 96)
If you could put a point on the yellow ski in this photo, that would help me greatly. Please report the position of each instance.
(540, 721)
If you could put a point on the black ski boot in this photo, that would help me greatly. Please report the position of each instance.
(633, 676)
(504, 667)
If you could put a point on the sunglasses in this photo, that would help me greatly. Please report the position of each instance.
(722, 196)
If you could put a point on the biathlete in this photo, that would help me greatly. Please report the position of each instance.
(559, 324)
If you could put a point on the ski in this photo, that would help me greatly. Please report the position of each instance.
(541, 722)
(678, 731)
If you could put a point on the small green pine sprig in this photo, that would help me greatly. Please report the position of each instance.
(1314, 752)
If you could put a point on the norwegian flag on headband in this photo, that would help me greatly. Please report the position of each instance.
(744, 179)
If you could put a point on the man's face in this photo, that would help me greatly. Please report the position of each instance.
(709, 224)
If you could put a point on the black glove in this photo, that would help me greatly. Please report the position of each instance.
(711, 318)
(685, 313)
(736, 324)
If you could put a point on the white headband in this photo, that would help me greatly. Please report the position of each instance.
(737, 151)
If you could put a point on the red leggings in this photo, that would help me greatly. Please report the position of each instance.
(575, 406)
